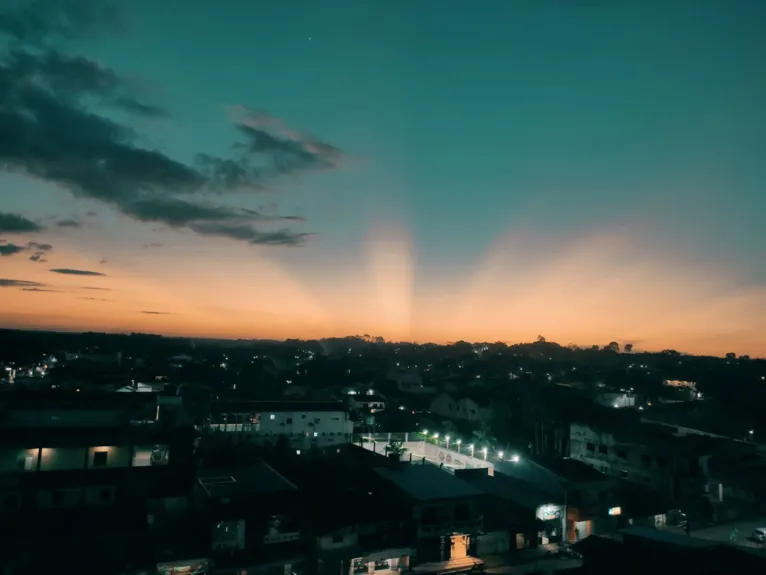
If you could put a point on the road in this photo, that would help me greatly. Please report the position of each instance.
(721, 533)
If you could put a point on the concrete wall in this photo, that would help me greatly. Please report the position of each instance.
(433, 454)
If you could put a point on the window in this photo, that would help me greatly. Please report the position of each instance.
(58, 497)
(99, 459)
(590, 447)
(289, 420)
(603, 449)
(272, 416)
(622, 455)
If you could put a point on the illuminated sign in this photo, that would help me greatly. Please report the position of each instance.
(615, 511)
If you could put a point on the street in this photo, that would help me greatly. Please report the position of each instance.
(722, 533)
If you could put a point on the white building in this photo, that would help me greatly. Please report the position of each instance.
(304, 424)
(368, 402)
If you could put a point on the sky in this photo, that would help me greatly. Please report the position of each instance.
(421, 170)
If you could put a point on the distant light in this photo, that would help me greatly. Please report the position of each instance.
(484, 449)
(446, 437)
(272, 416)
(316, 433)
(459, 441)
(424, 432)
(750, 432)
(615, 511)
(436, 436)
(515, 458)
(297, 452)
(401, 408)
(500, 455)
(471, 446)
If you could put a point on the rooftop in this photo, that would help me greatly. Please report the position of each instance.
(254, 479)
(666, 537)
(426, 482)
(572, 470)
(515, 491)
(246, 406)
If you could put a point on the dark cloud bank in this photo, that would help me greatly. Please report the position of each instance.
(71, 272)
(49, 117)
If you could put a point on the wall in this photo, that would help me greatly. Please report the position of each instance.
(10, 460)
(433, 454)
(340, 539)
(116, 456)
(62, 458)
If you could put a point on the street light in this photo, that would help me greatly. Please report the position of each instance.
(484, 450)
(500, 454)
(446, 439)
(459, 441)
(515, 458)
(471, 446)
(424, 432)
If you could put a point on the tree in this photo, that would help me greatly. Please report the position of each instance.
(731, 355)
(612, 346)
(628, 347)
(395, 449)
(540, 339)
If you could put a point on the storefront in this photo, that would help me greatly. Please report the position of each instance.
(552, 523)
(382, 562)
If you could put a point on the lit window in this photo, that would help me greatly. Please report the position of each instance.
(272, 416)
(297, 452)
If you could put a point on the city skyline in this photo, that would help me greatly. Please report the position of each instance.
(590, 171)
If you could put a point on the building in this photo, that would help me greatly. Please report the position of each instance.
(466, 409)
(253, 521)
(444, 510)
(77, 476)
(302, 424)
(643, 455)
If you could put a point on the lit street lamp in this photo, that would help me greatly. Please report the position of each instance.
(459, 441)
(446, 439)
(500, 455)
(515, 458)
(471, 446)
(484, 450)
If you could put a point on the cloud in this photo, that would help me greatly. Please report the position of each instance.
(91, 214)
(14, 223)
(103, 261)
(69, 223)
(51, 130)
(71, 272)
(94, 288)
(19, 283)
(93, 298)
(11, 249)
(155, 312)
(34, 289)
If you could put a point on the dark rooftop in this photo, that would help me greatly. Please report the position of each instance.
(246, 406)
(254, 479)
(426, 482)
(666, 537)
(572, 470)
(520, 493)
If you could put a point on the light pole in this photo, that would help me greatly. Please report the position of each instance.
(471, 446)
(436, 438)
(446, 439)
(500, 455)
(484, 450)
(459, 441)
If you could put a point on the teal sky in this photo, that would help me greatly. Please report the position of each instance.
(461, 123)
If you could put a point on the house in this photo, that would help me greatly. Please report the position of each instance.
(465, 409)
(444, 510)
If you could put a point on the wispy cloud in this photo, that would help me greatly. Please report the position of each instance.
(42, 290)
(51, 127)
(72, 272)
(94, 288)
(4, 282)
(69, 223)
(9, 249)
(149, 312)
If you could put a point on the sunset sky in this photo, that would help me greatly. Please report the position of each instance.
(429, 170)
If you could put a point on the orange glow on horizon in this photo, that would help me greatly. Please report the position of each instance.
(589, 291)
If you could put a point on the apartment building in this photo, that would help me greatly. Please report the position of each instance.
(642, 455)
(304, 424)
